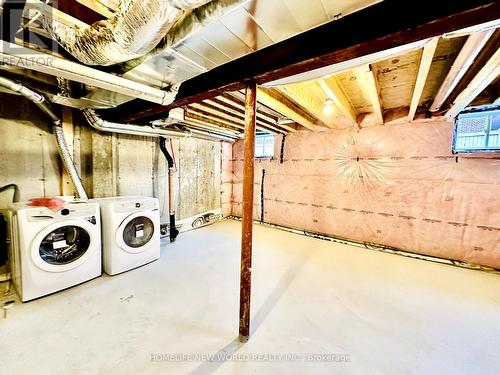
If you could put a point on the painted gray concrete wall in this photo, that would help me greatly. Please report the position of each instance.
(110, 164)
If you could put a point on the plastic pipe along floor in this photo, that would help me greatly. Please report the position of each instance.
(317, 307)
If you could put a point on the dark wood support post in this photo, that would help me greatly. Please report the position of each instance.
(246, 232)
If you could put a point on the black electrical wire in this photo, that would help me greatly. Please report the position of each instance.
(282, 152)
(15, 197)
(262, 196)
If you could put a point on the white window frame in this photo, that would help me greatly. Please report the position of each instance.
(263, 150)
(490, 132)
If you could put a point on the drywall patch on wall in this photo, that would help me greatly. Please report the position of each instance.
(28, 151)
(398, 186)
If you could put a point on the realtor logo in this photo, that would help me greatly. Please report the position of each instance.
(22, 23)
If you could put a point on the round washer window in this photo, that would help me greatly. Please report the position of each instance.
(138, 232)
(64, 245)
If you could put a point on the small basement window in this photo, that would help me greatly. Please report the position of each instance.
(264, 146)
(477, 131)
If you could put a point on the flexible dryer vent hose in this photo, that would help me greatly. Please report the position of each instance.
(62, 146)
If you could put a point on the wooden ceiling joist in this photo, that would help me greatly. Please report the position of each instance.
(203, 124)
(486, 76)
(335, 92)
(301, 95)
(97, 7)
(368, 82)
(213, 119)
(234, 117)
(233, 102)
(423, 72)
(278, 102)
(355, 36)
(262, 121)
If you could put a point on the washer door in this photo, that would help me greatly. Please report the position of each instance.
(136, 233)
(64, 245)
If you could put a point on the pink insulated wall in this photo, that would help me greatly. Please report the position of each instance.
(394, 185)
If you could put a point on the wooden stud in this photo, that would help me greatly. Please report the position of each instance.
(486, 75)
(247, 217)
(334, 91)
(423, 72)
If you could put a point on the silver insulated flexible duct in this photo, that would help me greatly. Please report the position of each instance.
(135, 29)
(62, 146)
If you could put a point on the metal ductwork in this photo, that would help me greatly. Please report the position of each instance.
(149, 131)
(192, 22)
(136, 28)
(26, 58)
(64, 152)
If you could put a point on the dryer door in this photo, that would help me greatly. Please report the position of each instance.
(136, 233)
(64, 245)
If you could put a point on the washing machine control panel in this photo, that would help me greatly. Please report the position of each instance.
(132, 206)
(37, 214)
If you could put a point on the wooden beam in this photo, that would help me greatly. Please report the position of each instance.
(347, 38)
(486, 75)
(334, 91)
(277, 102)
(423, 71)
(369, 83)
(300, 94)
(247, 214)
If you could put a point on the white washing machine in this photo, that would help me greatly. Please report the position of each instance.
(130, 232)
(52, 251)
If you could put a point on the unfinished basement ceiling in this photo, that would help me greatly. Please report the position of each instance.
(243, 29)
(381, 89)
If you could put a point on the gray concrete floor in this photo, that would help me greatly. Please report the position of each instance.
(388, 314)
